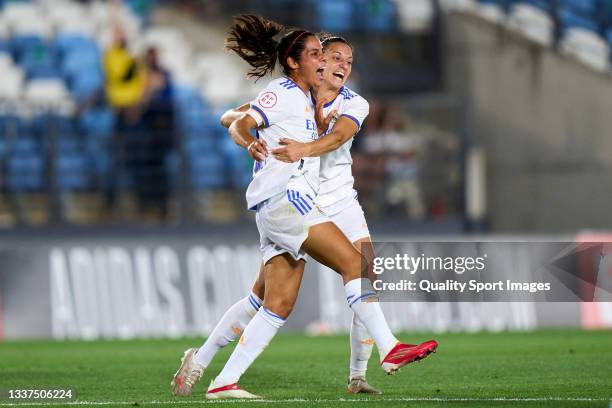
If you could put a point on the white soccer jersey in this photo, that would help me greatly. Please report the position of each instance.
(336, 177)
(283, 110)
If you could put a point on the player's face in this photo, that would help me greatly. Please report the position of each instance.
(339, 63)
(312, 64)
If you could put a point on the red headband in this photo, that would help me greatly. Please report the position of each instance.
(293, 42)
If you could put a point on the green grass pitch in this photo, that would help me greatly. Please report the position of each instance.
(561, 368)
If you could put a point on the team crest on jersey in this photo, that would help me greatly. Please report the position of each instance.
(268, 100)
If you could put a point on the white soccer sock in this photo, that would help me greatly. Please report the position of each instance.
(361, 348)
(255, 338)
(228, 328)
(361, 298)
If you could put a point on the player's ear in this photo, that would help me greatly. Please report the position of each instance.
(292, 63)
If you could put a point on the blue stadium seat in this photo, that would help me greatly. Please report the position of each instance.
(238, 163)
(20, 44)
(86, 84)
(541, 4)
(570, 19)
(172, 166)
(25, 145)
(72, 172)
(207, 172)
(67, 43)
(334, 15)
(98, 122)
(68, 144)
(43, 126)
(25, 172)
(4, 47)
(36, 71)
(377, 15)
(584, 7)
(608, 36)
(199, 146)
(4, 147)
(186, 97)
(77, 62)
(36, 57)
(11, 125)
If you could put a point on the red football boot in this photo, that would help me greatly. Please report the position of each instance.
(403, 354)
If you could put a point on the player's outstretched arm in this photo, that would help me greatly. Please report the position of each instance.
(292, 151)
(240, 132)
(231, 115)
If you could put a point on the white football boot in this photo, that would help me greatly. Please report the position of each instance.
(359, 385)
(230, 391)
(187, 375)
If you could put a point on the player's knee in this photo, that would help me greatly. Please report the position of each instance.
(281, 307)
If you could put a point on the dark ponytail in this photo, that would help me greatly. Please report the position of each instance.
(252, 38)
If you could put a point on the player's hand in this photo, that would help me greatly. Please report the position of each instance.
(290, 152)
(258, 150)
(322, 120)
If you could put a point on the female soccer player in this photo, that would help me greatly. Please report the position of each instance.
(289, 223)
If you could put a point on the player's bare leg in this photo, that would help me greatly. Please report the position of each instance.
(329, 246)
(229, 327)
(361, 342)
(283, 277)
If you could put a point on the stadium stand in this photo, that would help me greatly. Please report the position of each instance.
(51, 62)
(579, 28)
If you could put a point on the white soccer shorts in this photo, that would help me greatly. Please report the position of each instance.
(283, 222)
(351, 221)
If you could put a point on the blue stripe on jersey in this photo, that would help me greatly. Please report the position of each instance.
(353, 119)
(263, 115)
(348, 95)
(288, 84)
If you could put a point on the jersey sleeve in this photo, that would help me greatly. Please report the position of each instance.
(357, 110)
(271, 106)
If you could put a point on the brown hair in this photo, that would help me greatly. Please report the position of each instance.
(328, 39)
(251, 37)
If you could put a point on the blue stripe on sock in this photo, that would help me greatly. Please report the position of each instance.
(364, 296)
(252, 302)
(274, 315)
(255, 299)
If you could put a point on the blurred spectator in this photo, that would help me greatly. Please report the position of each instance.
(125, 74)
(396, 153)
(158, 138)
(126, 82)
